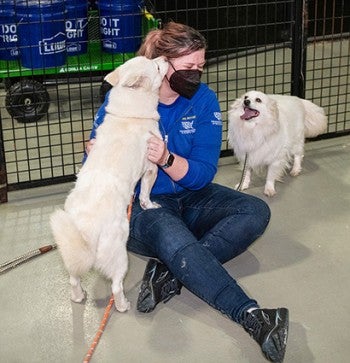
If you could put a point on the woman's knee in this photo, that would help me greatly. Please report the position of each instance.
(262, 211)
(163, 231)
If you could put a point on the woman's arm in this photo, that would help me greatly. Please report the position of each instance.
(197, 167)
(158, 153)
(99, 118)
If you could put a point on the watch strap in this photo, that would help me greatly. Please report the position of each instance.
(169, 161)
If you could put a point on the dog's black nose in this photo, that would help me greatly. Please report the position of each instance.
(246, 102)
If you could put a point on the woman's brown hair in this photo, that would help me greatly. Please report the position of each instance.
(172, 41)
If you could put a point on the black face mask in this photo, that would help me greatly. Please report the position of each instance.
(185, 82)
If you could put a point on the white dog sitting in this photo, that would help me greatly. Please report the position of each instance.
(270, 131)
(93, 228)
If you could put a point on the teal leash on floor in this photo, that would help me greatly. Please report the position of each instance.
(9, 265)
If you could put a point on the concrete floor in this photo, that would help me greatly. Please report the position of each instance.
(301, 262)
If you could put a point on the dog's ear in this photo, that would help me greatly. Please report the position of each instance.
(273, 108)
(236, 104)
(113, 77)
(137, 81)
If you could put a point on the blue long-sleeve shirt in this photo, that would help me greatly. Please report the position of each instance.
(193, 130)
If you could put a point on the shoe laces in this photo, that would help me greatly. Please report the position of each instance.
(170, 286)
(252, 325)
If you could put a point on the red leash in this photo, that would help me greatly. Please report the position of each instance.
(100, 330)
(108, 309)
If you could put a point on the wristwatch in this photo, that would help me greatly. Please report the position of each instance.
(169, 161)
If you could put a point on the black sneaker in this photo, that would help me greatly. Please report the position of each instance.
(158, 285)
(269, 327)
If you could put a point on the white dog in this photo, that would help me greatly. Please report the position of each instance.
(93, 228)
(270, 130)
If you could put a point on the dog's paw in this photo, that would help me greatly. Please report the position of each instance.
(244, 186)
(295, 171)
(122, 305)
(269, 191)
(149, 205)
(78, 296)
(155, 205)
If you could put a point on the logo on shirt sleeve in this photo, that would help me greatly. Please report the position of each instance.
(217, 121)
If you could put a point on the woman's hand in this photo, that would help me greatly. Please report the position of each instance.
(89, 145)
(157, 153)
(156, 150)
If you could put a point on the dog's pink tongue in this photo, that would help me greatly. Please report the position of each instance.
(249, 113)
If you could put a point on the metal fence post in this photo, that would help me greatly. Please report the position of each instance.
(3, 173)
(299, 46)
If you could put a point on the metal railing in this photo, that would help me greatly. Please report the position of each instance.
(294, 47)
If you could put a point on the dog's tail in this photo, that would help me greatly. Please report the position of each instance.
(315, 119)
(75, 252)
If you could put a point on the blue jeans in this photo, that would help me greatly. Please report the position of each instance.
(194, 233)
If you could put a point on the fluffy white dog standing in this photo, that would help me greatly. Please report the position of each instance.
(93, 228)
(270, 130)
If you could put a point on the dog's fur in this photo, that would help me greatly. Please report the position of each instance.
(93, 228)
(271, 130)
